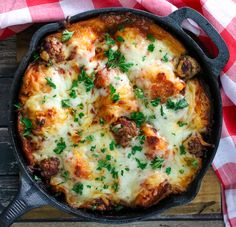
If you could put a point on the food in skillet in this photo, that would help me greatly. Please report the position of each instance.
(112, 113)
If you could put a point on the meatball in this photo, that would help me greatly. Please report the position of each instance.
(196, 145)
(187, 67)
(49, 167)
(124, 130)
(52, 50)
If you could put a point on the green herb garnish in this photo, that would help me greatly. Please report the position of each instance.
(181, 123)
(61, 146)
(165, 58)
(151, 38)
(112, 145)
(88, 81)
(182, 149)
(168, 170)
(135, 149)
(180, 104)
(139, 93)
(109, 40)
(117, 60)
(50, 83)
(78, 188)
(157, 163)
(138, 117)
(65, 103)
(120, 39)
(141, 165)
(27, 125)
(66, 35)
(151, 47)
(155, 102)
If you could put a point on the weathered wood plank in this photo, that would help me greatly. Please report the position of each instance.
(138, 224)
(5, 84)
(8, 163)
(8, 57)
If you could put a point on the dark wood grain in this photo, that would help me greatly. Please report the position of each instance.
(5, 85)
(8, 57)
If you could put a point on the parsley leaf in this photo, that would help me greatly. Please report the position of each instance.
(180, 104)
(138, 117)
(141, 139)
(61, 146)
(151, 38)
(155, 102)
(181, 123)
(141, 165)
(112, 145)
(182, 149)
(195, 163)
(181, 171)
(135, 149)
(65, 103)
(139, 93)
(66, 35)
(28, 126)
(17, 105)
(151, 47)
(157, 163)
(168, 170)
(120, 39)
(109, 40)
(78, 188)
(88, 81)
(162, 111)
(65, 175)
(116, 59)
(165, 58)
(121, 27)
(115, 187)
(50, 83)
(114, 96)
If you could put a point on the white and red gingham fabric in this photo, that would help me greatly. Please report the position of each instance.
(16, 15)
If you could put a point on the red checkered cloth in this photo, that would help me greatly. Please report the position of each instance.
(16, 15)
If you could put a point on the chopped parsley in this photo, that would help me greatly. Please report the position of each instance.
(17, 105)
(109, 40)
(195, 163)
(112, 145)
(120, 39)
(117, 60)
(65, 175)
(65, 103)
(141, 165)
(103, 150)
(151, 47)
(180, 104)
(115, 187)
(144, 58)
(61, 146)
(182, 149)
(101, 121)
(139, 93)
(157, 163)
(138, 117)
(151, 38)
(181, 171)
(165, 58)
(93, 148)
(88, 81)
(114, 96)
(89, 138)
(72, 89)
(36, 56)
(81, 115)
(162, 111)
(81, 106)
(181, 123)
(88, 186)
(155, 102)
(168, 170)
(66, 35)
(108, 157)
(141, 139)
(50, 83)
(28, 126)
(135, 149)
(78, 188)
(127, 169)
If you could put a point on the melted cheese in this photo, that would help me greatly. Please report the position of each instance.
(94, 140)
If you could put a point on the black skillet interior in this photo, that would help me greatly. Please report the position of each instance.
(32, 194)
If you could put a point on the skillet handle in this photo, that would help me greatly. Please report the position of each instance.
(215, 64)
(26, 199)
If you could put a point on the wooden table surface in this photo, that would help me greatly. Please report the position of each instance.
(204, 210)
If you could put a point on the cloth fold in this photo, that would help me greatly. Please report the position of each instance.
(17, 15)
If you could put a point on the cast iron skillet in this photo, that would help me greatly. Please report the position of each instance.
(31, 195)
